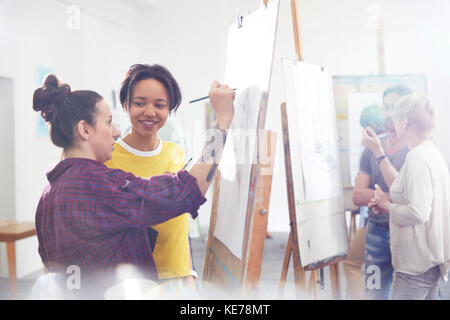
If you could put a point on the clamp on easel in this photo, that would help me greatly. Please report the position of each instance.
(239, 18)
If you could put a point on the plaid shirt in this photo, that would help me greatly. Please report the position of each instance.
(97, 218)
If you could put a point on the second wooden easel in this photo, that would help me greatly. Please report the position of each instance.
(292, 248)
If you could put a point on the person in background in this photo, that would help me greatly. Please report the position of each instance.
(149, 94)
(92, 219)
(418, 204)
(371, 116)
(370, 245)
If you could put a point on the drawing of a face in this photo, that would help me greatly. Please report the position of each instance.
(323, 146)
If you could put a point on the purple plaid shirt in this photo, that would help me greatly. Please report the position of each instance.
(97, 218)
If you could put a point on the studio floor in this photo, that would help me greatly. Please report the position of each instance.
(270, 275)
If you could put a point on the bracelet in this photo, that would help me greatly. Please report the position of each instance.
(212, 154)
(379, 159)
(224, 132)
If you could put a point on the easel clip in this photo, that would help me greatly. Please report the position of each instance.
(239, 18)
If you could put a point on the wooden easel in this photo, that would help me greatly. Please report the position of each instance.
(292, 247)
(224, 269)
(240, 277)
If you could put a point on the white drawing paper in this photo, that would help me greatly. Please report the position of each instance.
(312, 98)
(235, 168)
(249, 58)
(250, 49)
(315, 163)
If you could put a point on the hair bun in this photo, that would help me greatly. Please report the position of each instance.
(51, 81)
(48, 97)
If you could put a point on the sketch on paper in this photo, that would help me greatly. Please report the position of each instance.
(316, 173)
(235, 169)
(322, 148)
(311, 96)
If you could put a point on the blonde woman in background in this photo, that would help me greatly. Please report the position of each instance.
(419, 206)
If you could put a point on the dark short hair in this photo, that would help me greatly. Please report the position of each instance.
(138, 72)
(63, 109)
(400, 89)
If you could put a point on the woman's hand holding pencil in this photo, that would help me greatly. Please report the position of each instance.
(221, 98)
(203, 98)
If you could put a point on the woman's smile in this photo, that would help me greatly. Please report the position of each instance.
(148, 124)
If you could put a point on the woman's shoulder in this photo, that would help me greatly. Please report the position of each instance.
(80, 174)
(422, 155)
(170, 144)
(174, 153)
(94, 173)
(172, 147)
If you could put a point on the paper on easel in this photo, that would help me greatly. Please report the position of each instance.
(316, 179)
(309, 95)
(235, 168)
(250, 49)
(248, 67)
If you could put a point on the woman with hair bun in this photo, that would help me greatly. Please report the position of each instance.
(95, 218)
(72, 117)
(418, 205)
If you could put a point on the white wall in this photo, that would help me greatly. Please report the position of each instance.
(7, 189)
(94, 57)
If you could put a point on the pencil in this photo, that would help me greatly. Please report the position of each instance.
(187, 163)
(200, 99)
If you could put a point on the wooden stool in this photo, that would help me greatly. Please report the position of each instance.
(10, 232)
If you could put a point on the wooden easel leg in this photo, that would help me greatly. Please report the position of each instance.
(313, 285)
(299, 272)
(352, 229)
(11, 252)
(335, 281)
(287, 259)
(316, 285)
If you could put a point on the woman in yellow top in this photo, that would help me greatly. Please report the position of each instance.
(149, 93)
